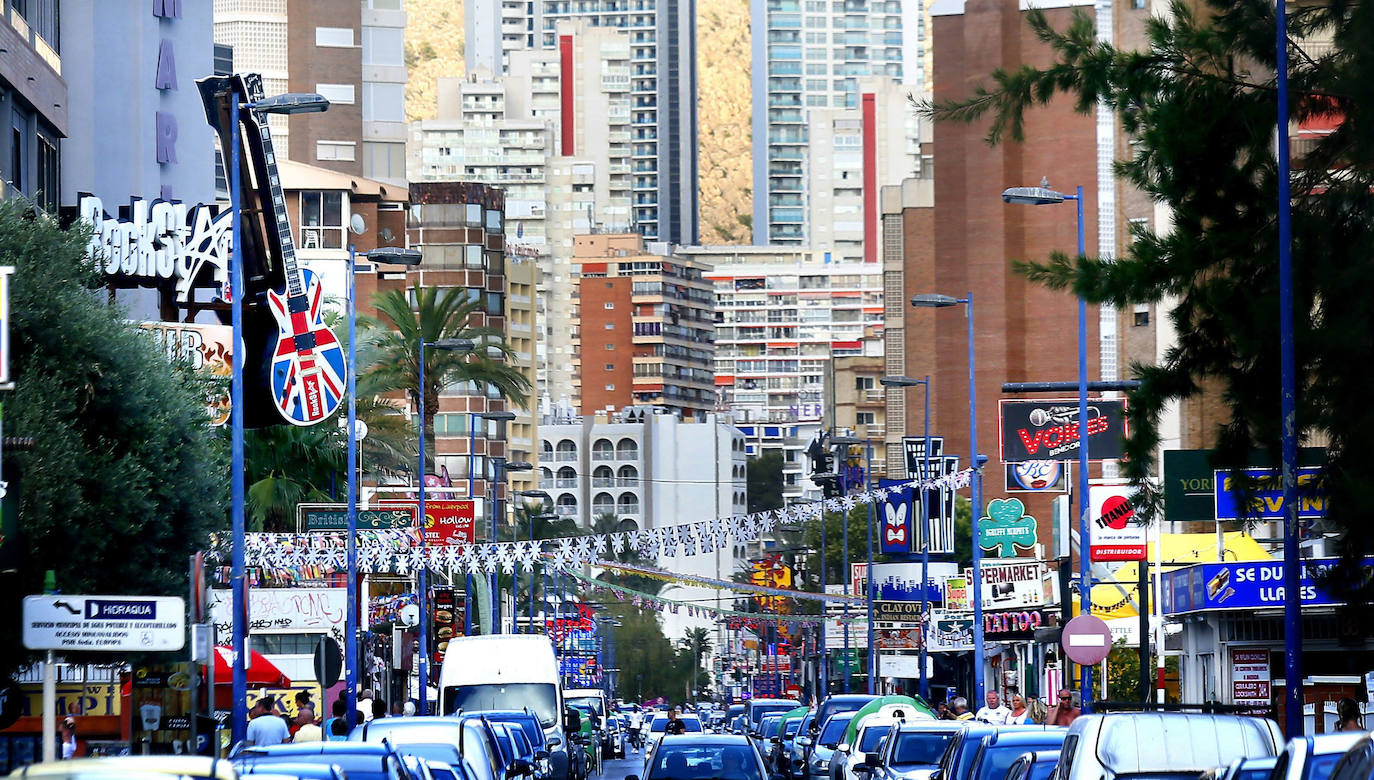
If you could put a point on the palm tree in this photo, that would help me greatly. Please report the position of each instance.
(286, 465)
(698, 641)
(437, 313)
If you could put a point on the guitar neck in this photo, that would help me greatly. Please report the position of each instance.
(294, 285)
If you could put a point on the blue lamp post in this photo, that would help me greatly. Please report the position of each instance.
(389, 255)
(976, 482)
(906, 381)
(291, 103)
(544, 498)
(422, 580)
(498, 474)
(842, 445)
(1042, 196)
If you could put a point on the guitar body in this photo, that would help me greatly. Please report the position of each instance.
(308, 366)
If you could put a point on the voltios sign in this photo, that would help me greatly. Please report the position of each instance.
(160, 243)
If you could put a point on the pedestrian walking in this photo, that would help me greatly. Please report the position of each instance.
(265, 728)
(1064, 712)
(66, 729)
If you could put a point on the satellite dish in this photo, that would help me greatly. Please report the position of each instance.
(356, 225)
(410, 615)
(359, 427)
(386, 234)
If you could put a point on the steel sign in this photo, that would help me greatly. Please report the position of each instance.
(334, 517)
(1116, 535)
(1011, 585)
(1087, 640)
(1265, 501)
(1047, 429)
(107, 623)
(1244, 586)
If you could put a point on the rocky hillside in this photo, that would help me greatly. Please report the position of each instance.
(434, 49)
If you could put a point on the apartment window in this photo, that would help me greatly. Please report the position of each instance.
(610, 347)
(383, 46)
(335, 150)
(322, 220)
(610, 366)
(1141, 315)
(384, 102)
(610, 387)
(382, 160)
(609, 305)
(334, 37)
(610, 326)
(47, 173)
(863, 383)
(337, 93)
(865, 418)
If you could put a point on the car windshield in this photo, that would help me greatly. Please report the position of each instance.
(868, 741)
(593, 703)
(705, 762)
(1319, 767)
(792, 726)
(660, 725)
(996, 760)
(355, 766)
(1041, 770)
(920, 748)
(504, 745)
(541, 698)
(528, 725)
(834, 729)
(757, 713)
(401, 731)
(769, 727)
(430, 751)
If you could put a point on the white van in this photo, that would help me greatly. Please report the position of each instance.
(504, 673)
(595, 700)
(1161, 744)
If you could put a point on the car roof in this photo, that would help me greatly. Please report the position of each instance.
(193, 766)
(706, 739)
(1036, 737)
(1324, 744)
(303, 769)
(946, 726)
(319, 749)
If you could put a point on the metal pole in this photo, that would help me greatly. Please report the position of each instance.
(824, 677)
(872, 592)
(925, 549)
(1292, 566)
(846, 570)
(239, 688)
(976, 490)
(470, 601)
(351, 619)
(492, 512)
(1084, 565)
(421, 579)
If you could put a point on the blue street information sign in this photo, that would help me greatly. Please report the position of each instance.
(1248, 586)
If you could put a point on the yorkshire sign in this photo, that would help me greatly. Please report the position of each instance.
(160, 243)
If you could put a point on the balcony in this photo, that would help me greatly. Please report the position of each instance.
(565, 484)
(564, 457)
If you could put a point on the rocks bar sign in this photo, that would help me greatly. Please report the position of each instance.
(162, 244)
(1048, 429)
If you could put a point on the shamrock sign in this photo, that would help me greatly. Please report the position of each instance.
(1006, 527)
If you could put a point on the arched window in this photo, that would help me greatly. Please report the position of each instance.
(567, 477)
(628, 504)
(627, 476)
(603, 504)
(602, 450)
(567, 450)
(627, 449)
(545, 477)
(603, 477)
(566, 505)
(548, 450)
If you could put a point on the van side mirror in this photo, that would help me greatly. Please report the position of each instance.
(803, 742)
(873, 760)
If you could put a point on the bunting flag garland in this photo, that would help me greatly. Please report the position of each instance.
(650, 601)
(710, 582)
(399, 550)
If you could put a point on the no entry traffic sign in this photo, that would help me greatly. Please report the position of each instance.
(1087, 640)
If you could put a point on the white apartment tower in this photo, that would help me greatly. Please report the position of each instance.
(565, 172)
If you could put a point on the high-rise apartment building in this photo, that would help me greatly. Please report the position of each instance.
(662, 89)
(782, 315)
(509, 131)
(643, 328)
(351, 52)
(831, 119)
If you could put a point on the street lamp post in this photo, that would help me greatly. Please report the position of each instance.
(544, 498)
(390, 256)
(291, 103)
(906, 381)
(473, 417)
(422, 580)
(1043, 196)
(976, 478)
(499, 467)
(842, 444)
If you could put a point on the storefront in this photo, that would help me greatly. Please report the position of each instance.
(1232, 651)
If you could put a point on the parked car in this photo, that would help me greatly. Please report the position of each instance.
(467, 741)
(529, 726)
(1035, 765)
(1357, 763)
(833, 705)
(1243, 769)
(1118, 744)
(764, 733)
(913, 750)
(868, 739)
(1000, 749)
(727, 756)
(1313, 758)
(757, 708)
(358, 761)
(827, 740)
(131, 768)
(616, 727)
(797, 747)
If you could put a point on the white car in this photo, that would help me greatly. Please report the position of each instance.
(871, 732)
(659, 724)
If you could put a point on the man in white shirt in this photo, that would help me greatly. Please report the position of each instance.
(365, 706)
(994, 713)
(265, 726)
